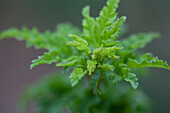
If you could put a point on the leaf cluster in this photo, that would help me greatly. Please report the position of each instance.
(96, 52)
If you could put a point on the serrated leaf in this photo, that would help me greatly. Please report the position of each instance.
(108, 11)
(136, 41)
(109, 42)
(98, 53)
(71, 61)
(106, 66)
(91, 66)
(47, 40)
(109, 52)
(122, 71)
(80, 44)
(148, 60)
(100, 36)
(111, 75)
(76, 75)
(131, 77)
(47, 58)
(115, 78)
(106, 18)
(88, 24)
(114, 30)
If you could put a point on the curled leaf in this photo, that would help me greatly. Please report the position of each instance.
(80, 44)
(91, 66)
(76, 75)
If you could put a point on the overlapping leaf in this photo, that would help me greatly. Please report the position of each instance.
(80, 44)
(91, 66)
(96, 51)
(46, 40)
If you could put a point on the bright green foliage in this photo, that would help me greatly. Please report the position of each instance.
(96, 51)
(80, 44)
(106, 66)
(71, 61)
(136, 41)
(131, 77)
(47, 40)
(77, 75)
(91, 65)
(53, 94)
(148, 60)
(48, 58)
(115, 78)
(54, 41)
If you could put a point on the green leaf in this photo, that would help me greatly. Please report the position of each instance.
(109, 52)
(95, 51)
(122, 72)
(104, 27)
(148, 60)
(106, 66)
(49, 40)
(91, 66)
(108, 12)
(115, 78)
(136, 41)
(107, 16)
(98, 53)
(33, 36)
(76, 75)
(47, 58)
(109, 42)
(71, 61)
(132, 79)
(80, 44)
(114, 30)
(88, 24)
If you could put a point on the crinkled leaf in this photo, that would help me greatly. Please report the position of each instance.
(136, 41)
(105, 20)
(108, 13)
(114, 29)
(125, 72)
(109, 52)
(122, 71)
(148, 60)
(109, 42)
(98, 53)
(76, 75)
(115, 78)
(88, 25)
(102, 52)
(131, 77)
(106, 66)
(47, 40)
(47, 58)
(71, 61)
(80, 44)
(91, 66)
(104, 27)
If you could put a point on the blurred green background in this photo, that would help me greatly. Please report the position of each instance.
(142, 16)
